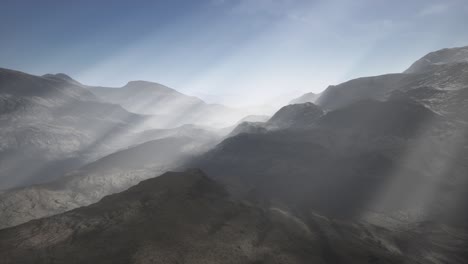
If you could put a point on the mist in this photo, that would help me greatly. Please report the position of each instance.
(234, 131)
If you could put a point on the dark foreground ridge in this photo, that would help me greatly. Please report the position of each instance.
(185, 217)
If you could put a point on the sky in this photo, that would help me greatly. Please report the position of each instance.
(237, 52)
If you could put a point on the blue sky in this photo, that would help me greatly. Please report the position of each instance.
(238, 52)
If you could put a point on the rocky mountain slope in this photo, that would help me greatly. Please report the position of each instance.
(375, 87)
(189, 218)
(393, 144)
(396, 157)
(110, 174)
(305, 98)
(296, 115)
(53, 126)
(443, 69)
(444, 56)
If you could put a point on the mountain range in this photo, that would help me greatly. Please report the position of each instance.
(401, 150)
(374, 170)
(170, 107)
(55, 124)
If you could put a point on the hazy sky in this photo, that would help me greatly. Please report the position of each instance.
(237, 51)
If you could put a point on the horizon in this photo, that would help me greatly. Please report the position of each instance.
(221, 50)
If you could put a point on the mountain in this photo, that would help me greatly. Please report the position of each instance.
(171, 107)
(440, 75)
(394, 144)
(54, 126)
(305, 98)
(110, 174)
(296, 115)
(146, 97)
(444, 56)
(374, 172)
(254, 118)
(291, 116)
(375, 87)
(340, 163)
(450, 103)
(62, 77)
(188, 218)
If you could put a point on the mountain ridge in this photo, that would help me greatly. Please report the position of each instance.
(186, 216)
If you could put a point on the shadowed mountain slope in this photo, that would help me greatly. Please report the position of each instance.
(342, 162)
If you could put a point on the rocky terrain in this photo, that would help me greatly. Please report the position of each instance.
(402, 152)
(305, 98)
(444, 56)
(53, 126)
(113, 173)
(446, 77)
(187, 217)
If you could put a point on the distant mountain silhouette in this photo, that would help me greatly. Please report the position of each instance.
(171, 107)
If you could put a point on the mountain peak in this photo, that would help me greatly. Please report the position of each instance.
(305, 98)
(296, 115)
(57, 85)
(443, 56)
(146, 85)
(61, 77)
(193, 181)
